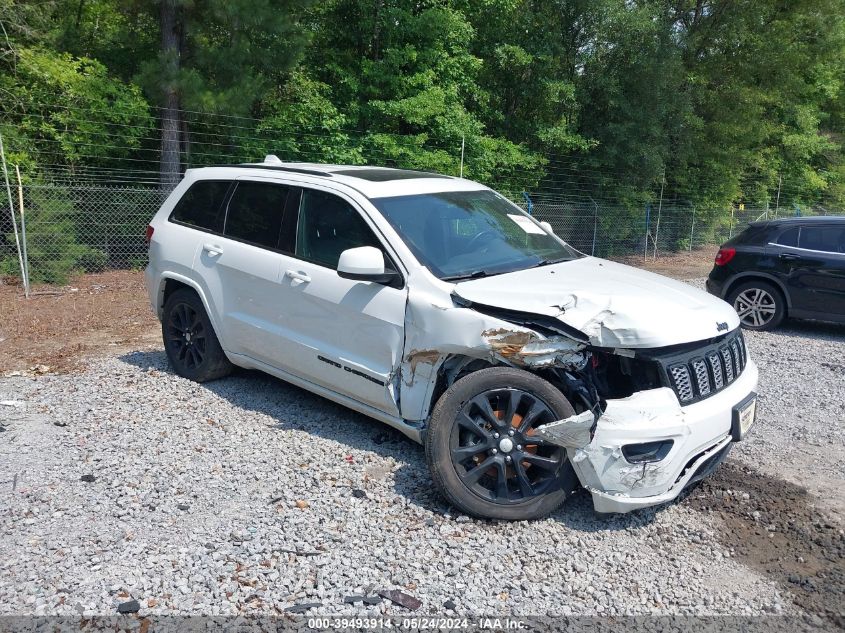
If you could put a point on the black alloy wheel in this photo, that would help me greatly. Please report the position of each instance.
(495, 451)
(185, 336)
(190, 342)
(483, 450)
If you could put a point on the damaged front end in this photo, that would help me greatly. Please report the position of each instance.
(630, 441)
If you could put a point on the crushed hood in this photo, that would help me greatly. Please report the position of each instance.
(612, 304)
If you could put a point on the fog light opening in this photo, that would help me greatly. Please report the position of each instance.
(647, 453)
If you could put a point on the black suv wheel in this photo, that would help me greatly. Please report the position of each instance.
(760, 305)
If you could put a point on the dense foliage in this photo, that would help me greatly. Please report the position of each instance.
(717, 102)
(723, 97)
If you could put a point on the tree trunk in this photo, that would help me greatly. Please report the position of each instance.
(169, 168)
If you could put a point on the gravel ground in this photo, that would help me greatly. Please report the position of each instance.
(248, 495)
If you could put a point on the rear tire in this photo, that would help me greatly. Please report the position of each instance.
(482, 453)
(760, 305)
(190, 342)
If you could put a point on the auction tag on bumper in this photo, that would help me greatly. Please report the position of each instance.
(743, 416)
(526, 224)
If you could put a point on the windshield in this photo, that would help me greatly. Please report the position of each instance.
(467, 234)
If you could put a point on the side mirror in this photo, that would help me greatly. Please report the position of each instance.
(547, 226)
(364, 263)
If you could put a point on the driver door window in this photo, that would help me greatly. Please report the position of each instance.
(328, 225)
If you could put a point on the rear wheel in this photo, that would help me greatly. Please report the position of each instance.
(759, 304)
(483, 451)
(189, 340)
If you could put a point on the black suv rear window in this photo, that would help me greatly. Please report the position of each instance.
(753, 234)
(201, 203)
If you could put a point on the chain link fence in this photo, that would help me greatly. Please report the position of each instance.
(74, 227)
(82, 227)
(604, 229)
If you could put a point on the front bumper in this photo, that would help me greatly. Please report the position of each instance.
(701, 435)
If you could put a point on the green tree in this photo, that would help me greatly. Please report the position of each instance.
(403, 74)
(215, 56)
(61, 110)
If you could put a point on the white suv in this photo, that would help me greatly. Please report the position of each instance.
(435, 305)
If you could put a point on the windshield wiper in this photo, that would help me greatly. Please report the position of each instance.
(549, 262)
(475, 274)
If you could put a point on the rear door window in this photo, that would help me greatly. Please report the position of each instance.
(828, 239)
(789, 237)
(201, 205)
(255, 213)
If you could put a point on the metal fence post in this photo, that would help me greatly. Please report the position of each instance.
(731, 226)
(528, 202)
(26, 288)
(659, 211)
(12, 209)
(595, 224)
(692, 230)
(647, 228)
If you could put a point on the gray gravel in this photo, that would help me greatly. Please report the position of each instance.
(248, 495)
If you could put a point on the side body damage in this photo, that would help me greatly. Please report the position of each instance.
(446, 337)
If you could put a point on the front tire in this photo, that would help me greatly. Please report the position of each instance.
(759, 304)
(190, 342)
(482, 451)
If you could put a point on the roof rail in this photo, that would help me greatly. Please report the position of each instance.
(269, 164)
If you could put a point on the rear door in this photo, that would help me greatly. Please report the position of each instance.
(347, 335)
(242, 269)
(195, 218)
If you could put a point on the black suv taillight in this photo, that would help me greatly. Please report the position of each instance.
(725, 255)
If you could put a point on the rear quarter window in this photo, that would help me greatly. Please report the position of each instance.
(753, 234)
(201, 205)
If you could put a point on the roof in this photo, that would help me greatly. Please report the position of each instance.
(373, 182)
(801, 219)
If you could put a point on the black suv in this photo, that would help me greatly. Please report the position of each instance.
(791, 267)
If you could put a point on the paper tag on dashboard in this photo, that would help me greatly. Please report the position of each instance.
(526, 224)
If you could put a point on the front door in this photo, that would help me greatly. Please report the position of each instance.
(347, 335)
(817, 275)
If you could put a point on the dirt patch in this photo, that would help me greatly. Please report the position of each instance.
(774, 527)
(58, 326)
(683, 265)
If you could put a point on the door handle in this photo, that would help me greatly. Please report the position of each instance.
(212, 249)
(297, 276)
(788, 257)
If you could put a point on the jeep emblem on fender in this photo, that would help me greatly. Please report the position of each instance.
(721, 326)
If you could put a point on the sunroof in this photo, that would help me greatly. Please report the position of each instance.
(378, 174)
